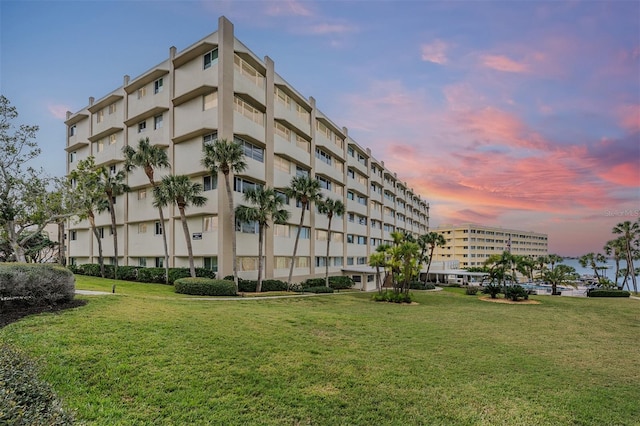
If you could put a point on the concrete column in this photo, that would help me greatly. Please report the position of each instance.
(269, 159)
(312, 209)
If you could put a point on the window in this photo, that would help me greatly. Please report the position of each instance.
(101, 232)
(112, 169)
(361, 240)
(142, 126)
(323, 156)
(303, 143)
(210, 58)
(73, 235)
(209, 183)
(321, 261)
(282, 131)
(112, 139)
(112, 108)
(281, 230)
(250, 150)
(305, 233)
(302, 172)
(362, 220)
(247, 263)
(337, 237)
(142, 261)
(100, 145)
(72, 156)
(158, 228)
(285, 198)
(302, 262)
(350, 238)
(209, 223)
(282, 262)
(351, 195)
(142, 194)
(157, 86)
(142, 228)
(242, 185)
(157, 122)
(351, 151)
(351, 217)
(349, 260)
(321, 235)
(210, 138)
(253, 114)
(210, 101)
(100, 116)
(337, 261)
(72, 130)
(282, 97)
(159, 262)
(142, 92)
(362, 200)
(361, 261)
(211, 263)
(281, 163)
(324, 183)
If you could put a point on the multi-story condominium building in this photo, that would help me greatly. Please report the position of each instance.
(218, 88)
(472, 244)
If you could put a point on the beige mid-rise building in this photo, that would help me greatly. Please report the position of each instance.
(472, 244)
(218, 88)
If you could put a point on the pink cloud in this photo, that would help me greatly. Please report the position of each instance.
(629, 117)
(59, 111)
(435, 52)
(287, 8)
(326, 28)
(503, 63)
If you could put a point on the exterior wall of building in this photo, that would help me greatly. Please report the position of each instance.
(472, 244)
(217, 88)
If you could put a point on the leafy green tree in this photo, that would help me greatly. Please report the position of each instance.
(305, 191)
(267, 207)
(501, 268)
(430, 240)
(630, 234)
(616, 248)
(226, 157)
(553, 259)
(591, 260)
(89, 197)
(330, 208)
(404, 260)
(541, 265)
(561, 274)
(113, 185)
(181, 191)
(149, 158)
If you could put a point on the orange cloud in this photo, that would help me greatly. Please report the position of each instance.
(435, 52)
(502, 63)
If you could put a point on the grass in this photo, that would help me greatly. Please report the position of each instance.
(150, 357)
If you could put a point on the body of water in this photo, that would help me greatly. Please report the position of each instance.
(610, 272)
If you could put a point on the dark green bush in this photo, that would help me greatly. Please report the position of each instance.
(492, 289)
(340, 282)
(128, 273)
(429, 286)
(318, 289)
(313, 282)
(392, 296)
(177, 273)
(274, 285)
(151, 275)
(515, 292)
(24, 398)
(246, 286)
(35, 284)
(608, 293)
(205, 287)
(471, 290)
(90, 269)
(416, 285)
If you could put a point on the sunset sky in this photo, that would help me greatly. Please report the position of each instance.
(520, 114)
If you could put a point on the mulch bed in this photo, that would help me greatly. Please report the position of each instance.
(9, 314)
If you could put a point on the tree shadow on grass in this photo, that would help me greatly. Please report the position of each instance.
(10, 314)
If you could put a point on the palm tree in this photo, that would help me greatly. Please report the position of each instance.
(553, 259)
(405, 262)
(562, 274)
(183, 192)
(305, 191)
(433, 240)
(89, 198)
(330, 207)
(541, 264)
(112, 186)
(616, 248)
(629, 232)
(591, 260)
(226, 157)
(268, 207)
(150, 157)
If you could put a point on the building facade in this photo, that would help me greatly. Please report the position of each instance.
(218, 88)
(472, 244)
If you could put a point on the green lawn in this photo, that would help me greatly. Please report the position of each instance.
(147, 356)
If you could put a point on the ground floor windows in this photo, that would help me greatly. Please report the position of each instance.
(211, 263)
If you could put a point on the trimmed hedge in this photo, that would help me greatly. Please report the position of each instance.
(318, 289)
(205, 287)
(392, 297)
(139, 273)
(335, 282)
(35, 284)
(608, 293)
(471, 290)
(24, 398)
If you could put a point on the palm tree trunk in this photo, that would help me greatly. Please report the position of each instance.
(295, 247)
(429, 263)
(164, 234)
(92, 222)
(326, 275)
(232, 213)
(630, 268)
(115, 240)
(260, 239)
(185, 228)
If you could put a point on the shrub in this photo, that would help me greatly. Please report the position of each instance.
(274, 285)
(416, 285)
(492, 289)
(608, 293)
(205, 287)
(515, 292)
(318, 289)
(429, 286)
(128, 273)
(246, 286)
(151, 275)
(177, 273)
(340, 282)
(471, 290)
(392, 296)
(313, 282)
(36, 284)
(25, 399)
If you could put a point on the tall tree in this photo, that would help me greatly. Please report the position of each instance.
(630, 233)
(226, 157)
(553, 259)
(181, 191)
(431, 240)
(89, 197)
(617, 249)
(591, 260)
(305, 191)
(149, 158)
(404, 260)
(113, 185)
(330, 208)
(267, 207)
(561, 274)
